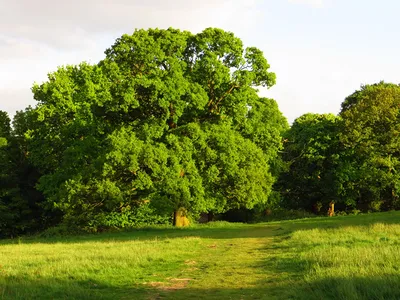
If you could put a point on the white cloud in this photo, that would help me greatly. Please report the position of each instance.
(12, 100)
(66, 23)
(12, 48)
(312, 3)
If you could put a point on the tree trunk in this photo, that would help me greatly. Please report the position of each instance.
(180, 218)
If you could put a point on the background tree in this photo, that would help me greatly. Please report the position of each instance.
(371, 134)
(312, 154)
(20, 210)
(6, 216)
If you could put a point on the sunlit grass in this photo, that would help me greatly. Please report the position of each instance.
(355, 257)
(354, 262)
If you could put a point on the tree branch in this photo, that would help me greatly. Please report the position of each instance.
(224, 95)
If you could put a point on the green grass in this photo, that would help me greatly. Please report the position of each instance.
(352, 257)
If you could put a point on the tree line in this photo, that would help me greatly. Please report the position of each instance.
(171, 121)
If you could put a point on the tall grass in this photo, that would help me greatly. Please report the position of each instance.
(352, 262)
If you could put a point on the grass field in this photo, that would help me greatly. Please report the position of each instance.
(353, 257)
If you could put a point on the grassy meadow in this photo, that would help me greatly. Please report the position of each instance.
(346, 257)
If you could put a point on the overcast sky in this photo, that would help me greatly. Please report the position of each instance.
(320, 50)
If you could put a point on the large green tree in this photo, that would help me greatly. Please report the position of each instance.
(168, 117)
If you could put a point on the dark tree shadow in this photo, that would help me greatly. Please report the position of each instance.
(355, 288)
(154, 233)
(232, 231)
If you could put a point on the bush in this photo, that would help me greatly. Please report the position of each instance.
(375, 205)
(142, 215)
(126, 218)
(61, 230)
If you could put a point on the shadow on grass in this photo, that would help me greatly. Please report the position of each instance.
(221, 231)
(231, 231)
(354, 288)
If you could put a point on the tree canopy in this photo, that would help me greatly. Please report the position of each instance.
(371, 133)
(168, 118)
(351, 159)
(20, 209)
(312, 156)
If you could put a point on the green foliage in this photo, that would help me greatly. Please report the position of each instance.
(168, 117)
(5, 178)
(140, 216)
(173, 119)
(20, 210)
(5, 126)
(3, 142)
(351, 159)
(370, 134)
(312, 154)
(61, 231)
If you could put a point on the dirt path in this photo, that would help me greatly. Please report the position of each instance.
(231, 268)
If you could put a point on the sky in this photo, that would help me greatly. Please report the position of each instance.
(320, 50)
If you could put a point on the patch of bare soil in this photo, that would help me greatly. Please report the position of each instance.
(172, 285)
